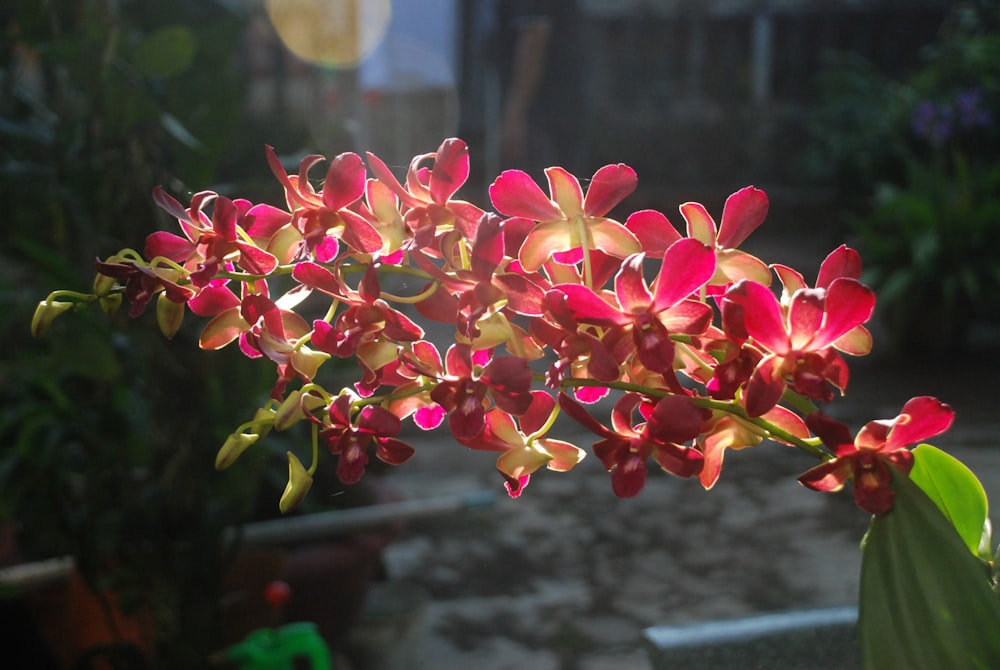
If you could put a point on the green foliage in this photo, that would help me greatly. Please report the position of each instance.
(955, 490)
(926, 600)
(103, 454)
(916, 161)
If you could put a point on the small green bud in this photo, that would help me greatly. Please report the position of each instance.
(299, 483)
(293, 409)
(169, 315)
(45, 314)
(235, 445)
(110, 304)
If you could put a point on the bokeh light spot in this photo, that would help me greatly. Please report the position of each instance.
(333, 33)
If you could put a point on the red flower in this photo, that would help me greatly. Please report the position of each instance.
(328, 213)
(800, 340)
(866, 458)
(672, 421)
(643, 320)
(523, 452)
(351, 440)
(569, 222)
(210, 242)
(462, 392)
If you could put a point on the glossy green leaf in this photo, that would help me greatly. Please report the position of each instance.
(954, 489)
(926, 601)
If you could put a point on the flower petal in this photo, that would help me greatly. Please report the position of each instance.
(451, 169)
(700, 224)
(687, 266)
(653, 230)
(920, 418)
(565, 190)
(609, 186)
(515, 193)
(849, 303)
(742, 214)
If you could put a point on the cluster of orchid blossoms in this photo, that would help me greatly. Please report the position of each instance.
(554, 306)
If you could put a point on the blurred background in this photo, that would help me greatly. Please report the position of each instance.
(872, 122)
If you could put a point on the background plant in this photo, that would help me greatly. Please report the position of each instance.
(916, 164)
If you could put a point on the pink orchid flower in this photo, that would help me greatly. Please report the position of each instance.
(524, 454)
(350, 440)
(569, 221)
(742, 214)
(799, 341)
(428, 197)
(865, 459)
(329, 213)
(210, 242)
(624, 448)
(642, 320)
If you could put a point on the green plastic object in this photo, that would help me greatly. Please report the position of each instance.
(289, 647)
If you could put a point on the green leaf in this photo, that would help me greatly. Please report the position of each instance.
(926, 602)
(954, 489)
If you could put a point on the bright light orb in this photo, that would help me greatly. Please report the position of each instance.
(333, 33)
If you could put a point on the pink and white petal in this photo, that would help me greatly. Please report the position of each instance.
(687, 266)
(700, 224)
(345, 181)
(742, 214)
(842, 262)
(735, 265)
(564, 456)
(805, 317)
(611, 237)
(590, 307)
(920, 418)
(762, 316)
(653, 230)
(515, 193)
(429, 417)
(630, 286)
(764, 389)
(829, 476)
(538, 412)
(849, 303)
(791, 280)
(222, 330)
(450, 171)
(856, 342)
(545, 239)
(609, 186)
(566, 191)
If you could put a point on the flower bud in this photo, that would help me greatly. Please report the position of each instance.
(299, 483)
(294, 408)
(263, 419)
(103, 284)
(169, 315)
(110, 303)
(307, 361)
(45, 314)
(235, 445)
